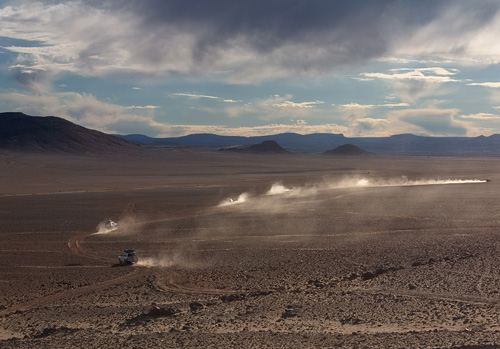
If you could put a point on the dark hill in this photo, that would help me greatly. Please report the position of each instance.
(347, 150)
(266, 147)
(316, 142)
(20, 132)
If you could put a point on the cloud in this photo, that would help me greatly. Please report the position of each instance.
(142, 107)
(194, 96)
(290, 104)
(86, 110)
(480, 116)
(432, 121)
(413, 84)
(360, 124)
(243, 42)
(432, 75)
(486, 84)
(395, 105)
(275, 107)
(197, 96)
(426, 121)
(353, 105)
(463, 32)
(370, 126)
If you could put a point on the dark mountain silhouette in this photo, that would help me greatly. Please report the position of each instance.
(266, 147)
(404, 144)
(316, 142)
(20, 132)
(348, 150)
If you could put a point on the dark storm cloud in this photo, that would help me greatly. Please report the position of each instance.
(248, 41)
(346, 30)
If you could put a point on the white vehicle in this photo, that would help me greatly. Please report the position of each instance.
(110, 225)
(128, 257)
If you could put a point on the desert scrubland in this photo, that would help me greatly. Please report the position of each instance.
(240, 250)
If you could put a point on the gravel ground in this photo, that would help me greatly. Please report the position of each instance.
(249, 251)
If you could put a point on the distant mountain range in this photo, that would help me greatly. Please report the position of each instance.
(20, 132)
(404, 144)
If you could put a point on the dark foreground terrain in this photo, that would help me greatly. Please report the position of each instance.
(241, 250)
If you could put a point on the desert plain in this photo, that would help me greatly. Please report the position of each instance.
(249, 251)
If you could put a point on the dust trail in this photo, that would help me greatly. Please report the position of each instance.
(176, 258)
(125, 225)
(278, 189)
(242, 198)
(394, 182)
(149, 262)
(105, 227)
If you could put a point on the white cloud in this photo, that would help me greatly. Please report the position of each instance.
(290, 104)
(274, 107)
(409, 85)
(86, 110)
(395, 105)
(369, 127)
(353, 105)
(480, 116)
(432, 75)
(486, 84)
(196, 96)
(465, 32)
(142, 107)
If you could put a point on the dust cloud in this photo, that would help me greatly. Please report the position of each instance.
(125, 225)
(396, 182)
(273, 207)
(163, 262)
(243, 197)
(174, 258)
(278, 189)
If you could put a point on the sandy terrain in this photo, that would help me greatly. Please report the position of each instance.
(243, 251)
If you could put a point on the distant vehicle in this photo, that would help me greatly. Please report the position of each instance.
(488, 180)
(110, 225)
(128, 257)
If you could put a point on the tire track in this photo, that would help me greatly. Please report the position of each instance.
(75, 246)
(34, 303)
(427, 295)
(486, 274)
(171, 286)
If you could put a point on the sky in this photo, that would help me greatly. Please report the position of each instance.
(168, 68)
